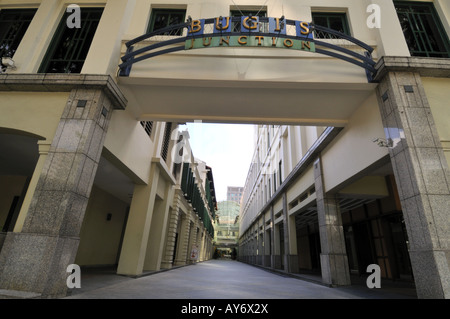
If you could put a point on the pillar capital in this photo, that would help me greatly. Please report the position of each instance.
(44, 147)
(429, 67)
(50, 82)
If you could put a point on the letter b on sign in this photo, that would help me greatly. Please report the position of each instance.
(373, 281)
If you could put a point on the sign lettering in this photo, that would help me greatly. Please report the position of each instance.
(250, 41)
(276, 25)
(222, 25)
(250, 24)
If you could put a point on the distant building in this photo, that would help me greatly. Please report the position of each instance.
(226, 228)
(234, 194)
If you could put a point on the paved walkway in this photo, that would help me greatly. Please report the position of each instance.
(222, 279)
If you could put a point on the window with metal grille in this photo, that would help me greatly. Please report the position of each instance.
(13, 25)
(236, 26)
(423, 30)
(162, 18)
(166, 141)
(69, 47)
(274, 181)
(280, 170)
(331, 20)
(148, 126)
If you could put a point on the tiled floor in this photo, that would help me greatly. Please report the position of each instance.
(225, 279)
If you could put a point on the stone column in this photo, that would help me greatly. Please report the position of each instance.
(290, 240)
(200, 241)
(247, 247)
(333, 257)
(157, 234)
(206, 248)
(197, 241)
(243, 249)
(263, 219)
(254, 245)
(259, 244)
(250, 247)
(267, 247)
(205, 245)
(293, 254)
(139, 221)
(277, 247)
(210, 247)
(183, 238)
(272, 238)
(171, 234)
(35, 260)
(420, 170)
(192, 237)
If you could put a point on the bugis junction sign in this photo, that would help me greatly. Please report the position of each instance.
(248, 26)
(249, 31)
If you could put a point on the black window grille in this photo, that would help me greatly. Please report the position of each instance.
(148, 127)
(280, 168)
(69, 47)
(423, 30)
(275, 181)
(166, 141)
(162, 18)
(13, 25)
(335, 21)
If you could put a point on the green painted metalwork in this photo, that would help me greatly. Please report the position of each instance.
(193, 195)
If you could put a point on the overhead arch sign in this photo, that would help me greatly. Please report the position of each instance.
(248, 31)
